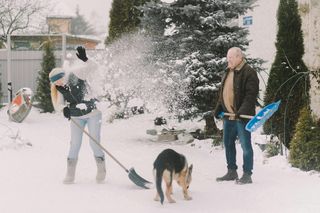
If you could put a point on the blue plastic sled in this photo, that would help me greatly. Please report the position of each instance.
(262, 116)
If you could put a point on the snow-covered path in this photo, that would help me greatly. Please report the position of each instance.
(31, 177)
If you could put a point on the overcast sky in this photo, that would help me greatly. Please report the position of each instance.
(89, 7)
(96, 12)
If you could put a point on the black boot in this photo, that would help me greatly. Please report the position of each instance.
(245, 179)
(231, 175)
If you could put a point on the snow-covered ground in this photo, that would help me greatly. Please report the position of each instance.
(33, 164)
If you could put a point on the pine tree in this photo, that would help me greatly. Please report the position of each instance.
(79, 26)
(197, 35)
(305, 145)
(124, 18)
(43, 95)
(288, 80)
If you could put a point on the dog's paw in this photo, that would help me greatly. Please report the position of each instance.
(156, 199)
(172, 201)
(188, 198)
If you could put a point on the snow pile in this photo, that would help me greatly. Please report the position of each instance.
(10, 138)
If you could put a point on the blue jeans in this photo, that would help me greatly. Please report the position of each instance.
(232, 129)
(94, 127)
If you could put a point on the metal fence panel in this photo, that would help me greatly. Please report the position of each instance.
(25, 66)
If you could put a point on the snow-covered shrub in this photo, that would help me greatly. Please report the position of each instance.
(272, 149)
(305, 146)
(217, 140)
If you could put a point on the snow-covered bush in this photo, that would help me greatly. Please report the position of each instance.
(272, 149)
(305, 146)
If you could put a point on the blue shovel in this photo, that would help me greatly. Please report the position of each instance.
(260, 118)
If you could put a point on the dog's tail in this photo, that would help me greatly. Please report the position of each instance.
(159, 173)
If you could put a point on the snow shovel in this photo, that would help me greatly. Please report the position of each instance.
(133, 176)
(260, 118)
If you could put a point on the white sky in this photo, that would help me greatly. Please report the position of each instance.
(96, 12)
(90, 8)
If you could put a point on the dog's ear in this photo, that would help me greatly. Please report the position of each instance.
(190, 168)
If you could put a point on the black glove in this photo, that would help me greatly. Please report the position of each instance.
(66, 113)
(82, 53)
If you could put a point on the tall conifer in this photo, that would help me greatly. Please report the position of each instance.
(288, 80)
(191, 39)
(43, 95)
(124, 18)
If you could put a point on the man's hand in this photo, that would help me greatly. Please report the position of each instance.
(82, 53)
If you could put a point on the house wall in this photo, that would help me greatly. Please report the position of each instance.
(59, 25)
(310, 14)
(262, 35)
(35, 42)
(73, 42)
(263, 32)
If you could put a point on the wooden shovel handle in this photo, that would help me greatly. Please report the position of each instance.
(241, 116)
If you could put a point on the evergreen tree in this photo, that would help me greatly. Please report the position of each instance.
(79, 26)
(43, 95)
(288, 80)
(124, 18)
(196, 34)
(305, 146)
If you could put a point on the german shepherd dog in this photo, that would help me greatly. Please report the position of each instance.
(170, 166)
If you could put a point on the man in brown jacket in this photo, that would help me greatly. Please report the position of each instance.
(238, 95)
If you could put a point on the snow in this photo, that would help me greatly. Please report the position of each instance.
(33, 164)
(33, 161)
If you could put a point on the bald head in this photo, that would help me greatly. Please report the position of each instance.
(234, 57)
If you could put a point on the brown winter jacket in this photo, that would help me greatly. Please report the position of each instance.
(246, 89)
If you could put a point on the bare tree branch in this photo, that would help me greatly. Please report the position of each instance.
(16, 15)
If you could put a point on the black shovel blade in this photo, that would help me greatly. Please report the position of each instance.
(138, 180)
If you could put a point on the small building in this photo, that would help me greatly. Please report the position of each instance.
(58, 32)
(36, 41)
(59, 24)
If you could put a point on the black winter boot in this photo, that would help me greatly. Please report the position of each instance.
(245, 179)
(231, 175)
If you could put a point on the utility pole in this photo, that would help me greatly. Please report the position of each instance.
(9, 68)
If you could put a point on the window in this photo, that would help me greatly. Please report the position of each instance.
(247, 20)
